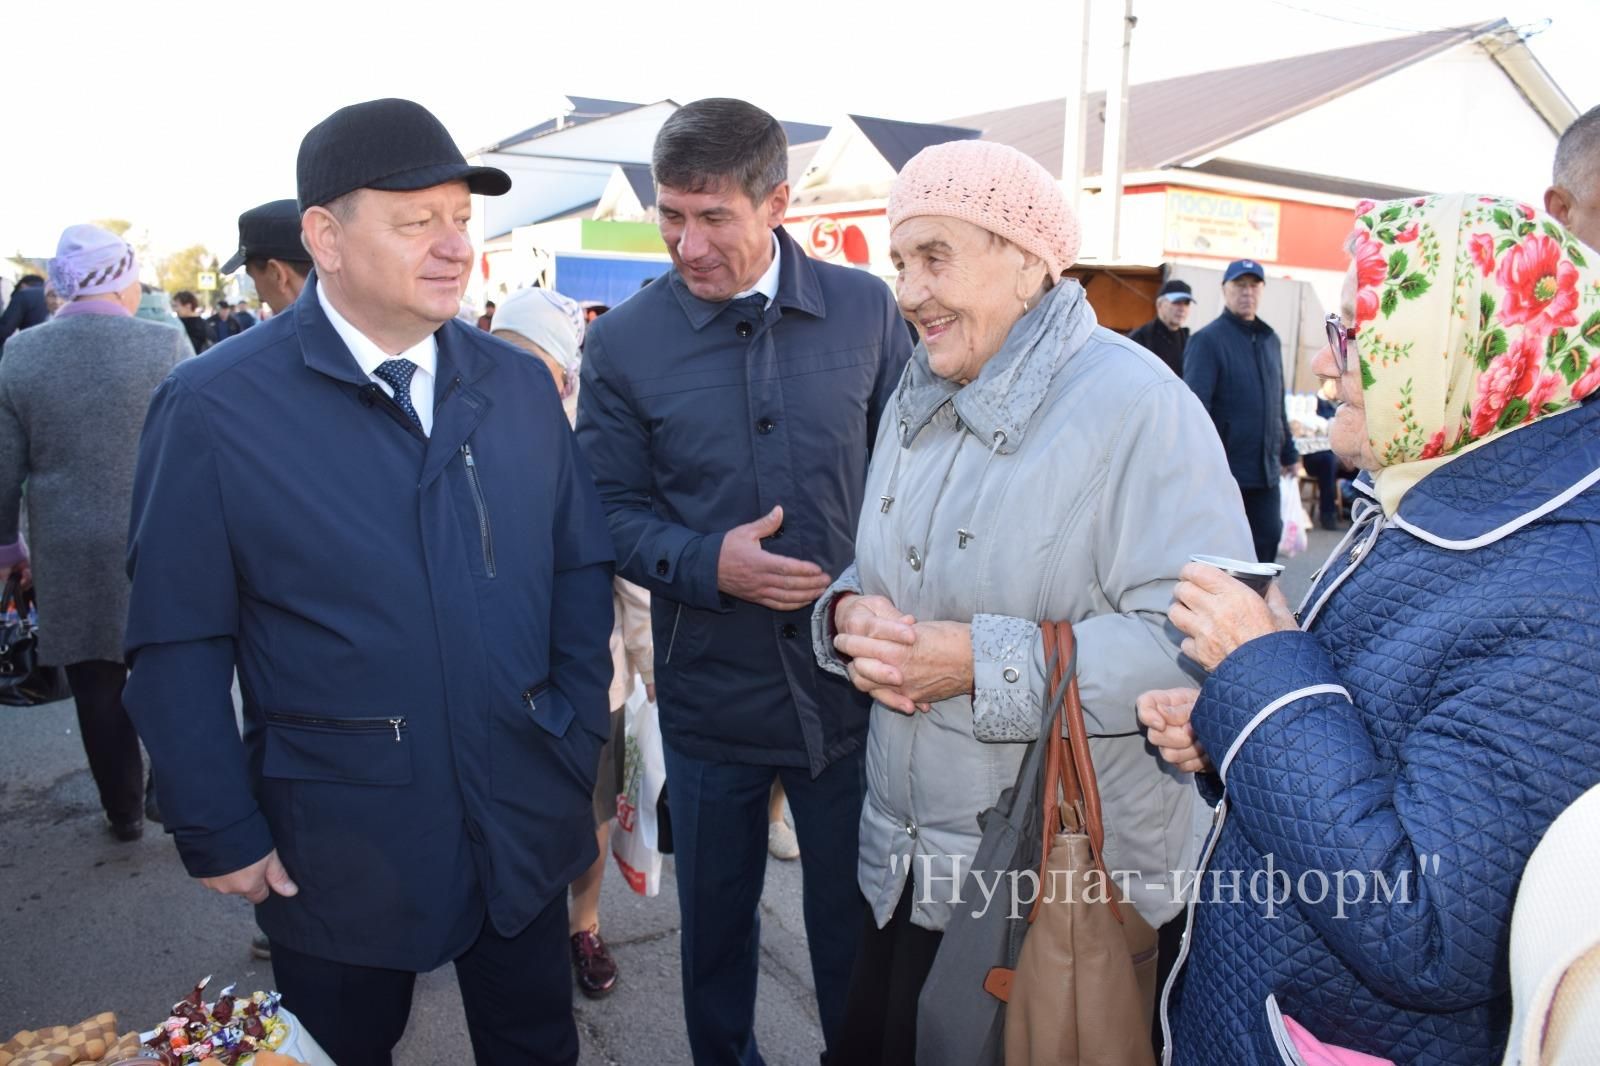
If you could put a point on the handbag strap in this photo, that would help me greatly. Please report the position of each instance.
(15, 594)
(1070, 786)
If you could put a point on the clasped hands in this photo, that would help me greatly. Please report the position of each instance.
(1216, 614)
(905, 665)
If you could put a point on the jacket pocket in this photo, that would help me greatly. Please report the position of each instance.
(344, 751)
(548, 713)
(1281, 1040)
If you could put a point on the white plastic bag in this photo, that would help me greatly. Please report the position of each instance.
(1296, 522)
(644, 771)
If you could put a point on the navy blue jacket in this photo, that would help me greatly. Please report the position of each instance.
(1437, 715)
(420, 627)
(25, 309)
(1236, 368)
(698, 417)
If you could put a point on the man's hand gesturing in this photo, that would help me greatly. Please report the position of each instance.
(748, 571)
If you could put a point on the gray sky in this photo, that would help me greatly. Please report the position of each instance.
(178, 116)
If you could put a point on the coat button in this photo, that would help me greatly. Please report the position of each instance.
(1010, 674)
(911, 830)
(765, 426)
(661, 567)
(744, 329)
(914, 557)
(790, 630)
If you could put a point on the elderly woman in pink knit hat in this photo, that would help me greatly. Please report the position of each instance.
(1032, 467)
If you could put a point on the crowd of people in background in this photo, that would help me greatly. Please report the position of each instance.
(438, 553)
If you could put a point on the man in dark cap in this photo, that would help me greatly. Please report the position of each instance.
(1235, 366)
(1166, 335)
(271, 253)
(379, 515)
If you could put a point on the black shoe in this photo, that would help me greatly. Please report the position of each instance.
(260, 947)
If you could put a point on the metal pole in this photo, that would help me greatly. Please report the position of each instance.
(1077, 81)
(1114, 149)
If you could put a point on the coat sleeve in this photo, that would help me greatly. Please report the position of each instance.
(1152, 513)
(11, 317)
(580, 602)
(182, 623)
(664, 557)
(1201, 369)
(13, 462)
(1421, 852)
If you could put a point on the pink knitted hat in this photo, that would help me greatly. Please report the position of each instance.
(993, 186)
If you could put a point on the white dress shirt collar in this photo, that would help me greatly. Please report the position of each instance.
(425, 353)
(767, 284)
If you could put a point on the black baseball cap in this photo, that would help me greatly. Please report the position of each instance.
(390, 144)
(1175, 290)
(270, 231)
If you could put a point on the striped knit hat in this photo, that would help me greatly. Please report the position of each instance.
(92, 260)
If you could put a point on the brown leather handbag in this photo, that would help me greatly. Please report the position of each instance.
(1083, 990)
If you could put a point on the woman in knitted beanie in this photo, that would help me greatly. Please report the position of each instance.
(1024, 473)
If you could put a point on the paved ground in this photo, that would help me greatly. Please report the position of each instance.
(87, 924)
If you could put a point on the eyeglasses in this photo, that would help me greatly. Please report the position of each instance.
(1339, 338)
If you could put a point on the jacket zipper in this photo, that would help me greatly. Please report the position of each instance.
(352, 725)
(531, 695)
(485, 534)
(1218, 816)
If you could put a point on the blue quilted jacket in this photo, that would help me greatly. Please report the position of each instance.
(1388, 770)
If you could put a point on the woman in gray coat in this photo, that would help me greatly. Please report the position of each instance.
(1031, 467)
(73, 394)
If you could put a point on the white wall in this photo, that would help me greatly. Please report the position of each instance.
(1455, 122)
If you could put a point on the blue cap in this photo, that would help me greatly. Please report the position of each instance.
(1240, 267)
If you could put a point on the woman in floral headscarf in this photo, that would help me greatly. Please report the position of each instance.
(1388, 758)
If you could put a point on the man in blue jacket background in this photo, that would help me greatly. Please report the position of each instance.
(1235, 366)
(379, 516)
(729, 410)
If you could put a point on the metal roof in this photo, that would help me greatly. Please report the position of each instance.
(584, 109)
(1178, 119)
(803, 132)
(644, 185)
(898, 141)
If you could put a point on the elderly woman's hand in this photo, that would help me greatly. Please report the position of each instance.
(1218, 613)
(1165, 713)
(911, 677)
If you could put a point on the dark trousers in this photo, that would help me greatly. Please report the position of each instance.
(1263, 511)
(892, 965)
(719, 830)
(517, 992)
(1324, 467)
(109, 739)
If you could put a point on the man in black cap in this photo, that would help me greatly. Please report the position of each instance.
(1166, 335)
(1235, 366)
(378, 514)
(271, 253)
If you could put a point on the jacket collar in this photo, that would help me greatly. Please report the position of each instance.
(1001, 401)
(1527, 475)
(798, 288)
(1253, 325)
(325, 351)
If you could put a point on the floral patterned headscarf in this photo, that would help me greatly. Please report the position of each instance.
(1475, 316)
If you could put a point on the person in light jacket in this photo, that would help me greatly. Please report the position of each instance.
(1408, 736)
(1023, 474)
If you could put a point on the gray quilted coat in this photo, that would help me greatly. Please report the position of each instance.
(73, 396)
(1083, 474)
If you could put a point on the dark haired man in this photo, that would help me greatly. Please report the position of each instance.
(272, 254)
(728, 410)
(187, 307)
